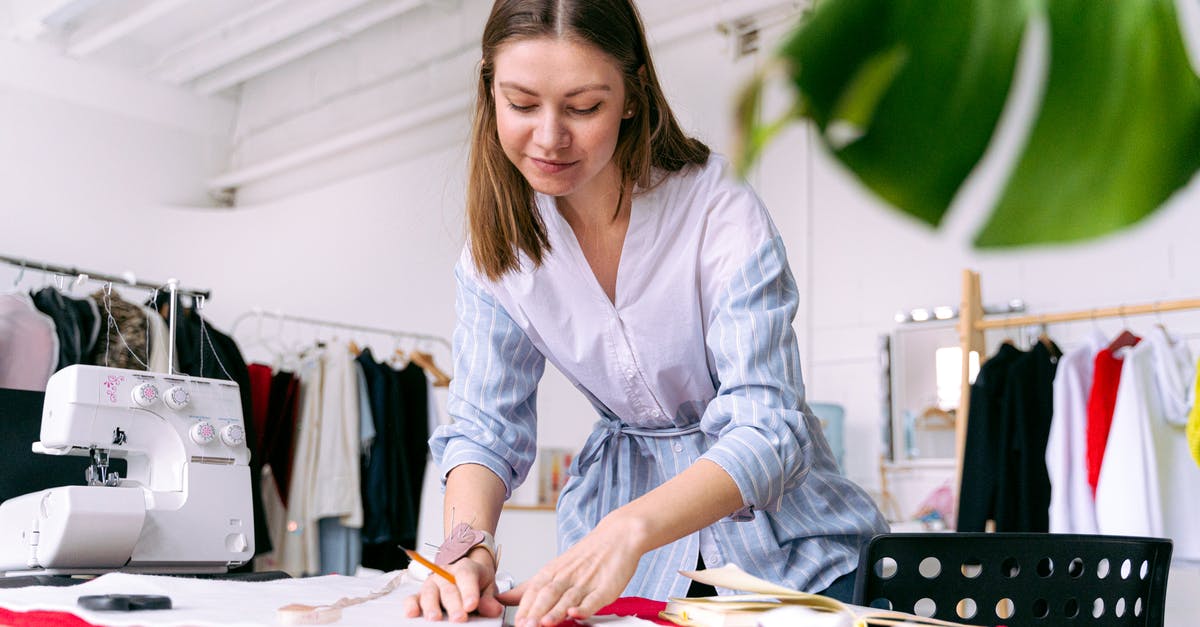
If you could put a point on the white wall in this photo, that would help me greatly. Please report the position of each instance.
(90, 186)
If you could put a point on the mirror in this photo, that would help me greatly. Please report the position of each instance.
(925, 370)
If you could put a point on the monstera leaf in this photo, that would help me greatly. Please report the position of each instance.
(907, 94)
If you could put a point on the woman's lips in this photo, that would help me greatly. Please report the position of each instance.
(552, 167)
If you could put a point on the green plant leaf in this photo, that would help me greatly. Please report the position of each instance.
(1118, 131)
(920, 84)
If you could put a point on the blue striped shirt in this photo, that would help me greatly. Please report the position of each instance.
(696, 358)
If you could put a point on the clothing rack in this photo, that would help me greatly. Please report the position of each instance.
(442, 379)
(971, 325)
(101, 277)
(171, 286)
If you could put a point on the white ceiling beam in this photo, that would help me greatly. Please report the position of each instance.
(250, 37)
(29, 17)
(455, 105)
(275, 56)
(712, 20)
(90, 39)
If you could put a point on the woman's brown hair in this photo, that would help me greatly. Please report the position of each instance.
(501, 217)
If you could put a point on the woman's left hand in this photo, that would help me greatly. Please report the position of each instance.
(582, 580)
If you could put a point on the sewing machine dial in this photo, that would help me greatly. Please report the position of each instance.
(145, 394)
(177, 398)
(233, 435)
(203, 432)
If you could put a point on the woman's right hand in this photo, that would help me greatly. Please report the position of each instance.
(475, 592)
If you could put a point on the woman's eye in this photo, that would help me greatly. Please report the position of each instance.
(587, 111)
(521, 108)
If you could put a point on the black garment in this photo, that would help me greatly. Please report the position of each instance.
(377, 477)
(977, 494)
(394, 468)
(387, 506)
(278, 443)
(414, 438)
(76, 322)
(1022, 481)
(211, 354)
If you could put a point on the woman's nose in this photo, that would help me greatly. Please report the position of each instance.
(551, 133)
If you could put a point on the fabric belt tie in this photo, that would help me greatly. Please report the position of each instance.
(605, 444)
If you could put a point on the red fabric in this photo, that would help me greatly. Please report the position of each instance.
(645, 609)
(1101, 401)
(40, 619)
(260, 395)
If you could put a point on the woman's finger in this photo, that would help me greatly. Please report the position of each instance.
(570, 598)
(513, 596)
(452, 600)
(412, 605)
(431, 605)
(488, 605)
(589, 605)
(542, 601)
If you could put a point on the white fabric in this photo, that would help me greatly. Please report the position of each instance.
(1148, 484)
(1072, 505)
(200, 602)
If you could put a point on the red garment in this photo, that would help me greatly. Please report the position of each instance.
(40, 619)
(1101, 402)
(645, 609)
(260, 395)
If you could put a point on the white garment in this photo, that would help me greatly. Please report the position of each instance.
(325, 469)
(28, 344)
(1072, 505)
(1148, 484)
(159, 349)
(203, 602)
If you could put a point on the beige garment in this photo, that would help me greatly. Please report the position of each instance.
(28, 344)
(159, 348)
(123, 324)
(325, 471)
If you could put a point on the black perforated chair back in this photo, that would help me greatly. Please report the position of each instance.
(1018, 579)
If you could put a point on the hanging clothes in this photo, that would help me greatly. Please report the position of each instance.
(122, 339)
(76, 322)
(1148, 483)
(1023, 487)
(1004, 473)
(325, 478)
(29, 344)
(275, 449)
(1102, 399)
(160, 354)
(977, 494)
(414, 394)
(1072, 506)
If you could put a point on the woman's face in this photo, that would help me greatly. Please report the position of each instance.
(559, 106)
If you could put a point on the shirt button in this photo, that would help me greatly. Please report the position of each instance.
(678, 448)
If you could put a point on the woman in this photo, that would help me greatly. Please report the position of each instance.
(604, 239)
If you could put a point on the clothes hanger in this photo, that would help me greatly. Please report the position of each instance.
(1126, 338)
(425, 361)
(1044, 339)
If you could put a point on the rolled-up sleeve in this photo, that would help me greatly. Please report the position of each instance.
(493, 395)
(763, 440)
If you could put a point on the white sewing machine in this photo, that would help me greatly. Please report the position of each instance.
(185, 506)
